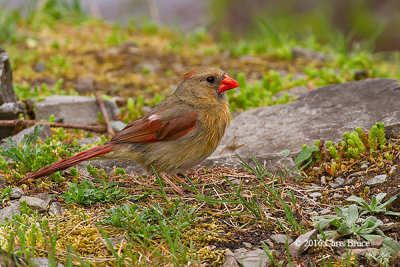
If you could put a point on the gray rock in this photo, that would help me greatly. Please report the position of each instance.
(247, 245)
(39, 67)
(45, 197)
(44, 134)
(377, 243)
(16, 193)
(56, 209)
(334, 185)
(314, 115)
(253, 258)
(339, 181)
(377, 179)
(10, 111)
(7, 94)
(118, 125)
(336, 195)
(44, 262)
(358, 251)
(70, 109)
(84, 84)
(299, 52)
(131, 168)
(300, 245)
(363, 166)
(35, 203)
(315, 194)
(230, 260)
(389, 226)
(281, 238)
(271, 162)
(9, 211)
(324, 211)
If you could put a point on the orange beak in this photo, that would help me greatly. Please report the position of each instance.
(227, 83)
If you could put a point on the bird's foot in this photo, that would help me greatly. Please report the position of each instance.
(172, 184)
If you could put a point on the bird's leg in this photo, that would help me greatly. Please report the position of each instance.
(174, 186)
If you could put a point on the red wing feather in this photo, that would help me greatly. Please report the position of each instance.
(144, 130)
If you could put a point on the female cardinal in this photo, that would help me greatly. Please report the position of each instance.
(177, 134)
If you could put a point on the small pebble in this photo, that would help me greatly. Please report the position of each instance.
(323, 180)
(364, 166)
(247, 245)
(336, 195)
(339, 180)
(377, 179)
(315, 195)
(16, 193)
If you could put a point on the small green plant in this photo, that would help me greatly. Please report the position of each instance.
(147, 224)
(379, 256)
(88, 193)
(5, 195)
(348, 222)
(26, 152)
(375, 207)
(305, 158)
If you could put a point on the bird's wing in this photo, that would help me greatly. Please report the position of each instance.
(154, 128)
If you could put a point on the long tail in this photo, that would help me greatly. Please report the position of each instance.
(71, 161)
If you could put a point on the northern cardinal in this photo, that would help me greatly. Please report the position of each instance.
(177, 134)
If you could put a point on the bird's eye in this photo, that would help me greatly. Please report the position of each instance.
(210, 79)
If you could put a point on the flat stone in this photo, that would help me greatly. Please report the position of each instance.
(131, 168)
(377, 179)
(314, 116)
(363, 166)
(55, 208)
(336, 195)
(230, 260)
(16, 193)
(45, 197)
(315, 195)
(377, 243)
(247, 245)
(44, 134)
(35, 203)
(273, 162)
(300, 245)
(44, 262)
(118, 125)
(253, 258)
(389, 226)
(9, 211)
(10, 111)
(358, 251)
(339, 181)
(281, 238)
(324, 211)
(70, 109)
(7, 93)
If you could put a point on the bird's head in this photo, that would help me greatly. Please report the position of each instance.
(207, 84)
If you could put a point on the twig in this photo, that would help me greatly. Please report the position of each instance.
(92, 128)
(110, 130)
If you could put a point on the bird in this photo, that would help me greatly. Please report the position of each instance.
(176, 134)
